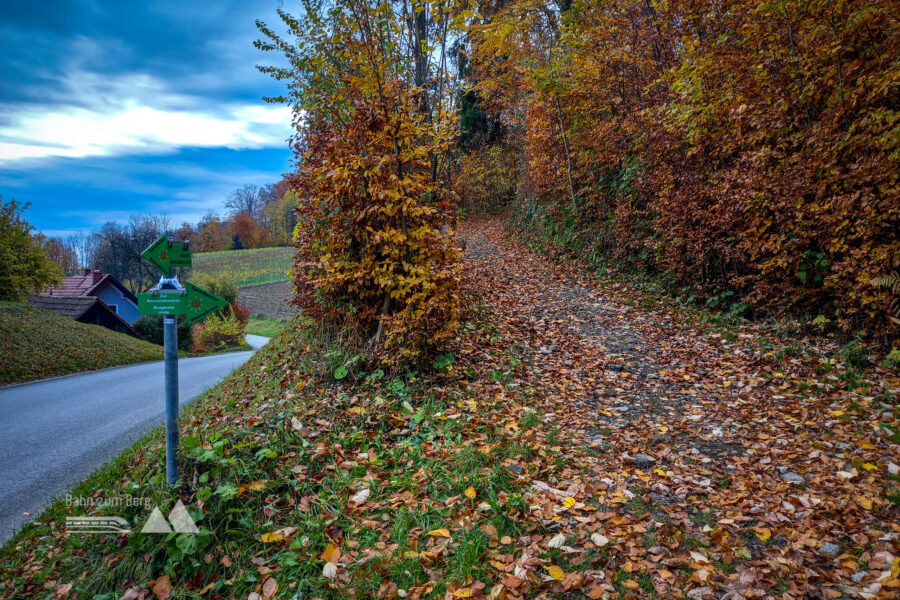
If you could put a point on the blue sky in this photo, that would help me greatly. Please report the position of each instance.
(109, 108)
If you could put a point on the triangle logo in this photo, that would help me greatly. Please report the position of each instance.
(156, 523)
(181, 519)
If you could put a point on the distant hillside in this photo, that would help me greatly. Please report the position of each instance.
(246, 267)
(38, 343)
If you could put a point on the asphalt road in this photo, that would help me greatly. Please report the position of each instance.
(55, 432)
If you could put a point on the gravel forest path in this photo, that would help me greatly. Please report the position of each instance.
(723, 468)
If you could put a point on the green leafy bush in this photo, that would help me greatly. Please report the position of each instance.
(218, 332)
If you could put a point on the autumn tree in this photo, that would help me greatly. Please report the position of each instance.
(371, 87)
(24, 268)
(745, 150)
(209, 236)
(63, 254)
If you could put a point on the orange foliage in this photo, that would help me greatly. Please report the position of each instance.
(376, 247)
(748, 146)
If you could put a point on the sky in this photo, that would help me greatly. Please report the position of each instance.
(110, 108)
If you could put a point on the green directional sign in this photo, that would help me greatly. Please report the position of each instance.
(164, 254)
(163, 303)
(195, 302)
(201, 303)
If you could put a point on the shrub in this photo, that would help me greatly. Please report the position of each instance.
(218, 332)
(24, 267)
(219, 284)
(150, 328)
(240, 312)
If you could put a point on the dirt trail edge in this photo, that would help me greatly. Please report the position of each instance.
(687, 463)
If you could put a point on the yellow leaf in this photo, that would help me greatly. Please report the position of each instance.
(569, 502)
(463, 593)
(331, 554)
(763, 533)
(356, 410)
(470, 493)
(663, 429)
(556, 573)
(869, 466)
(269, 538)
(660, 472)
(256, 485)
(443, 533)
(864, 502)
(836, 413)
(867, 446)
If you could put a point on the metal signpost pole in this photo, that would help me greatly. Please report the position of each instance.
(170, 343)
(170, 299)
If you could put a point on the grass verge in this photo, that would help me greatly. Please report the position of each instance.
(39, 343)
(301, 484)
(265, 327)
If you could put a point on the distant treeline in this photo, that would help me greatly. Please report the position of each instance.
(256, 217)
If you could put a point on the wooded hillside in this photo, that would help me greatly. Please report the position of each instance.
(747, 147)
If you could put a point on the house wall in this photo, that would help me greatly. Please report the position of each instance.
(124, 307)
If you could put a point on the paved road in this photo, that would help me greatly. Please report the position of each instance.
(57, 431)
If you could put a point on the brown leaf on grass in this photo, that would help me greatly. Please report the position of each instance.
(162, 587)
(269, 588)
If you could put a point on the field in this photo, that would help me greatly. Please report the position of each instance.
(246, 267)
(39, 343)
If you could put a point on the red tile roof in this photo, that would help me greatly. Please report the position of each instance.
(79, 285)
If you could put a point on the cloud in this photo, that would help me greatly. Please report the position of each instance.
(134, 114)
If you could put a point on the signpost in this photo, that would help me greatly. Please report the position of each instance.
(170, 299)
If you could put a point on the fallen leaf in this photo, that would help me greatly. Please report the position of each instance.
(556, 573)
(442, 533)
(470, 493)
(558, 541)
(331, 554)
(269, 588)
(362, 495)
(162, 587)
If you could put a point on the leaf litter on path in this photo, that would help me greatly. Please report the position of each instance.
(700, 464)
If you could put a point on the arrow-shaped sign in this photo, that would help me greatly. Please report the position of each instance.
(164, 254)
(195, 302)
(201, 303)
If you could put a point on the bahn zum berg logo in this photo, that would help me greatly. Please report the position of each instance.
(179, 521)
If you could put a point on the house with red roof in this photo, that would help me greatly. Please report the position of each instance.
(103, 286)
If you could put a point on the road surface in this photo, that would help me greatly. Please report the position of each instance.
(55, 432)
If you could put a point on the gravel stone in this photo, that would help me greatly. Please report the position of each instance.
(643, 461)
(792, 477)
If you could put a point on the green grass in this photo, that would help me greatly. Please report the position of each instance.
(265, 327)
(245, 267)
(39, 343)
(251, 467)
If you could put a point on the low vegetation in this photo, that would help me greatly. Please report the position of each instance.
(502, 469)
(39, 343)
(244, 267)
(265, 327)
